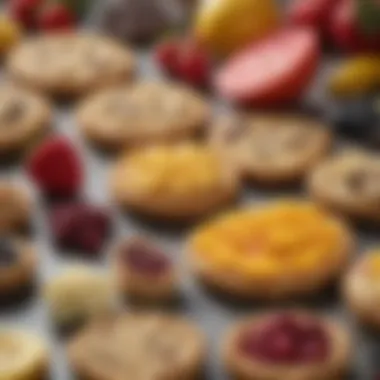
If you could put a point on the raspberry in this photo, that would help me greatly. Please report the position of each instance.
(185, 60)
(286, 340)
(56, 168)
(55, 17)
(24, 11)
(79, 226)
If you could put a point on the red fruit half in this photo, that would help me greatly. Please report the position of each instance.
(345, 30)
(277, 70)
(56, 168)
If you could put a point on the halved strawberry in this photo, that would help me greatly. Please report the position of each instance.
(277, 70)
(56, 168)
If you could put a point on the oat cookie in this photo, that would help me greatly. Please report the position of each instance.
(272, 149)
(292, 345)
(24, 116)
(139, 346)
(361, 288)
(15, 207)
(146, 112)
(144, 272)
(182, 181)
(280, 250)
(23, 356)
(18, 263)
(70, 64)
(349, 183)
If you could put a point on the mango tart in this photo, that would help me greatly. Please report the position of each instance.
(289, 239)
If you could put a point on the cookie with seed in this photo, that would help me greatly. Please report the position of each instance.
(70, 64)
(272, 149)
(138, 346)
(15, 207)
(23, 356)
(147, 112)
(174, 182)
(144, 273)
(24, 116)
(18, 263)
(349, 183)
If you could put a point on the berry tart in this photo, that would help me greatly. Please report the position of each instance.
(291, 345)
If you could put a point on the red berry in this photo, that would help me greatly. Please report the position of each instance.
(56, 168)
(24, 11)
(55, 17)
(79, 226)
(166, 56)
(193, 65)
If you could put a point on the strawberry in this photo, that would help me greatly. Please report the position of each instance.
(348, 33)
(56, 168)
(25, 11)
(55, 16)
(185, 60)
(312, 13)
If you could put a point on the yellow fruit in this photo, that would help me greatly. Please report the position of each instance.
(226, 25)
(10, 34)
(356, 76)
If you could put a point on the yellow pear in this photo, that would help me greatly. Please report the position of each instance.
(227, 25)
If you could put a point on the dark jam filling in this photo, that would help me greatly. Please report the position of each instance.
(8, 253)
(145, 259)
(287, 340)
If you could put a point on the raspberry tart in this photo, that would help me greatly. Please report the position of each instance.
(292, 345)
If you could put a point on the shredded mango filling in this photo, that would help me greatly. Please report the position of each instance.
(175, 169)
(284, 236)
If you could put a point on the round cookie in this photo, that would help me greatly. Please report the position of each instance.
(18, 262)
(144, 273)
(78, 294)
(281, 250)
(143, 113)
(179, 182)
(272, 149)
(15, 207)
(70, 64)
(292, 345)
(22, 356)
(349, 183)
(139, 346)
(361, 289)
(24, 116)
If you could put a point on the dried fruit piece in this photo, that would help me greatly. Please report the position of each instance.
(79, 226)
(56, 168)
(25, 11)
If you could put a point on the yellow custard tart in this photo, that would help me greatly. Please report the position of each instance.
(279, 250)
(361, 288)
(174, 181)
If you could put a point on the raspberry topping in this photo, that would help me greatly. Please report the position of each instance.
(8, 254)
(80, 226)
(144, 258)
(286, 340)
